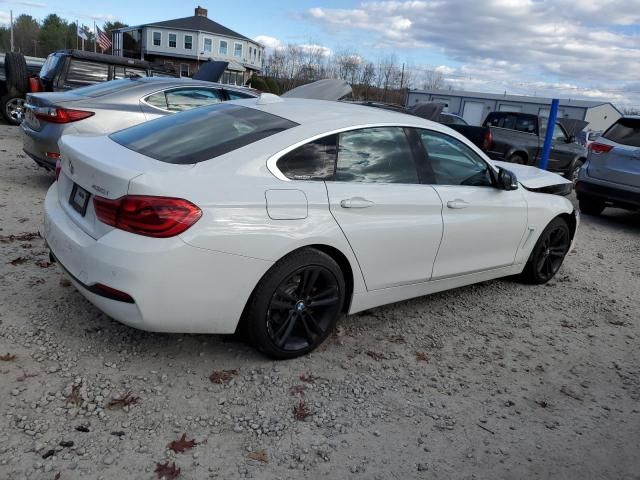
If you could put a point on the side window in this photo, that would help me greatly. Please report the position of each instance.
(558, 133)
(452, 162)
(188, 98)
(158, 100)
(126, 72)
(313, 161)
(375, 155)
(184, 69)
(157, 39)
(233, 95)
(207, 45)
(525, 124)
(173, 40)
(87, 73)
(223, 47)
(188, 42)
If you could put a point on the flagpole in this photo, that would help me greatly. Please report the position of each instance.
(77, 29)
(95, 38)
(11, 25)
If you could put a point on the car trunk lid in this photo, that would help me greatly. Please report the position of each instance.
(97, 166)
(38, 102)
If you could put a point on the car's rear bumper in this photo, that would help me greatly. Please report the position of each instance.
(37, 145)
(618, 195)
(175, 287)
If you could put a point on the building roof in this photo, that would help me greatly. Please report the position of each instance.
(198, 23)
(565, 102)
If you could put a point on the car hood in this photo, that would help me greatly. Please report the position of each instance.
(533, 178)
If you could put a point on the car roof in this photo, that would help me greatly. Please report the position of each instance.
(338, 114)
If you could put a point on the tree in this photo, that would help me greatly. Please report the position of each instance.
(25, 34)
(433, 80)
(53, 34)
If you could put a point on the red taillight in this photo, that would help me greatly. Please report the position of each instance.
(158, 217)
(487, 141)
(110, 292)
(58, 168)
(61, 115)
(599, 148)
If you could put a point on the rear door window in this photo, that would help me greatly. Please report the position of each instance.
(201, 134)
(82, 72)
(625, 131)
(313, 161)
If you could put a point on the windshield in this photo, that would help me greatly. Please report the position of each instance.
(201, 134)
(49, 65)
(105, 88)
(625, 131)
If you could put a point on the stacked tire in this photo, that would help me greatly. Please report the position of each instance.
(12, 102)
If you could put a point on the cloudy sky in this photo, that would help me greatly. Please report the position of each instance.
(567, 48)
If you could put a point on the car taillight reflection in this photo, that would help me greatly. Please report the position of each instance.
(159, 217)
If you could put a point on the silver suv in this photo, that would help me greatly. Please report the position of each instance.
(611, 175)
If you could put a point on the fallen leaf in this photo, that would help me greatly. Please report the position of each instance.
(57, 476)
(21, 237)
(74, 396)
(8, 357)
(22, 220)
(43, 263)
(616, 322)
(300, 411)
(222, 376)
(309, 378)
(260, 456)
(377, 356)
(124, 401)
(65, 282)
(421, 357)
(166, 471)
(18, 261)
(397, 339)
(297, 390)
(182, 444)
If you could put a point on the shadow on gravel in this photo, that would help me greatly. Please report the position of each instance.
(616, 219)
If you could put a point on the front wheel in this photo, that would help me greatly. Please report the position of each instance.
(296, 305)
(548, 254)
(12, 109)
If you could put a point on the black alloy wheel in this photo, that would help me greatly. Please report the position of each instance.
(549, 252)
(13, 109)
(296, 305)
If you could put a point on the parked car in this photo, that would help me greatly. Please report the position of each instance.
(587, 137)
(518, 138)
(65, 70)
(274, 216)
(611, 176)
(15, 72)
(451, 119)
(110, 106)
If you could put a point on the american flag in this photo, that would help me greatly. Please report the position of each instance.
(103, 40)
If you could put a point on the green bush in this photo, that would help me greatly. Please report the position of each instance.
(259, 84)
(273, 86)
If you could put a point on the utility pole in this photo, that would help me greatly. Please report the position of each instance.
(402, 76)
(11, 24)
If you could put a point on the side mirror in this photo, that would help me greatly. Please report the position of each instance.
(507, 180)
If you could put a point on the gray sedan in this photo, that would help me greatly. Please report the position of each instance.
(111, 106)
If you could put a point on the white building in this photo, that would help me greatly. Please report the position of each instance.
(186, 42)
(474, 106)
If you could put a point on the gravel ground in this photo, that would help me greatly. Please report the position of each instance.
(497, 380)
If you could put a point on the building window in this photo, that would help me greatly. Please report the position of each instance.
(259, 55)
(173, 40)
(184, 69)
(223, 47)
(157, 39)
(188, 42)
(207, 45)
(237, 50)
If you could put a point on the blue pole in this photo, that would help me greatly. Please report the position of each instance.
(546, 150)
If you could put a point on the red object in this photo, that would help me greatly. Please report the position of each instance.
(34, 84)
(61, 115)
(112, 293)
(599, 148)
(58, 168)
(487, 141)
(158, 217)
(52, 155)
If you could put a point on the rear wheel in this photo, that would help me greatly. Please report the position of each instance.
(548, 254)
(590, 205)
(12, 109)
(516, 158)
(296, 305)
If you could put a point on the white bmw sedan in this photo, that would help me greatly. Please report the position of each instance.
(275, 216)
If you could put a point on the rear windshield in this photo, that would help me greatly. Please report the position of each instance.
(201, 134)
(104, 88)
(625, 131)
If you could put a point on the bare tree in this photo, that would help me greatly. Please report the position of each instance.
(432, 80)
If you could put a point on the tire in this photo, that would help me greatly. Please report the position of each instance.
(12, 109)
(590, 205)
(548, 254)
(296, 305)
(517, 159)
(575, 170)
(16, 72)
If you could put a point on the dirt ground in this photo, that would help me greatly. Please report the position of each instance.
(492, 381)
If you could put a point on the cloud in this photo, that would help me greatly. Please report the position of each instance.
(269, 42)
(523, 41)
(26, 3)
(272, 43)
(5, 18)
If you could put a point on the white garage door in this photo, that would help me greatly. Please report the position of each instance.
(473, 112)
(505, 107)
